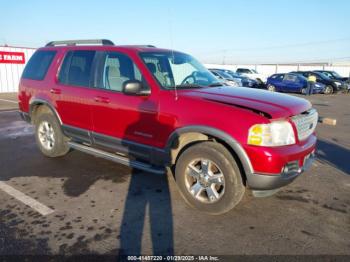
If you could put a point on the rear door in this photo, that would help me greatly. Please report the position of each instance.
(74, 93)
(290, 83)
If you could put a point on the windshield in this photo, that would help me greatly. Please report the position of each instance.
(335, 74)
(174, 69)
(328, 74)
(322, 76)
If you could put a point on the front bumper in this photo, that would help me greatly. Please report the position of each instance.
(278, 166)
(268, 182)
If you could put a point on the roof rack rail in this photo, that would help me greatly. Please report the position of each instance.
(81, 42)
(140, 46)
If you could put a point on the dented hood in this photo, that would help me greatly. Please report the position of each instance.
(274, 104)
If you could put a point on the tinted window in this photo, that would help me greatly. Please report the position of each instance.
(327, 74)
(76, 68)
(117, 69)
(243, 70)
(291, 78)
(320, 76)
(38, 65)
(277, 77)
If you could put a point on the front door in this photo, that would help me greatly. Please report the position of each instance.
(124, 123)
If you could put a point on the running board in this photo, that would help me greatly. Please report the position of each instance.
(115, 158)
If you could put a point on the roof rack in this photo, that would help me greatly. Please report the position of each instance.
(81, 42)
(152, 46)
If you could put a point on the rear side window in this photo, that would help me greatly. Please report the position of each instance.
(76, 68)
(291, 78)
(38, 65)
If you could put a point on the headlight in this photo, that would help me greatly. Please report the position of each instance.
(278, 133)
(337, 83)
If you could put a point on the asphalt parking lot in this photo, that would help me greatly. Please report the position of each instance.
(99, 207)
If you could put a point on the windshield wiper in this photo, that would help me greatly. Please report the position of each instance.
(187, 86)
(215, 84)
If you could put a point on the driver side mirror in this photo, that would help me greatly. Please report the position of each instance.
(135, 87)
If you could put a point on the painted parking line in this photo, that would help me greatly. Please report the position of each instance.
(10, 101)
(8, 111)
(37, 206)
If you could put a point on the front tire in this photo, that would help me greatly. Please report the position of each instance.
(49, 137)
(328, 90)
(209, 178)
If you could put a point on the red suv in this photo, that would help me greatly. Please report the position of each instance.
(152, 108)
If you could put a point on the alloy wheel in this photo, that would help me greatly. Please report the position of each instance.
(205, 181)
(46, 135)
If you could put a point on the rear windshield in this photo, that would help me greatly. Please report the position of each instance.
(38, 65)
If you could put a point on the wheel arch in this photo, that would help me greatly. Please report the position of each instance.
(36, 103)
(184, 137)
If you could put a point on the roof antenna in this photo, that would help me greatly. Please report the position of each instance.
(172, 46)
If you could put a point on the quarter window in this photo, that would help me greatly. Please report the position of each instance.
(38, 65)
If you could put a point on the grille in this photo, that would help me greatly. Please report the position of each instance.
(306, 123)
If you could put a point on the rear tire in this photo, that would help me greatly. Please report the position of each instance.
(49, 137)
(271, 88)
(209, 178)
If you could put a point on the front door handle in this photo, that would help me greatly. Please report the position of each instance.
(55, 91)
(100, 99)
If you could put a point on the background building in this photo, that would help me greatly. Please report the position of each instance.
(12, 62)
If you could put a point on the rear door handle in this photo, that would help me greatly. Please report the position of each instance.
(55, 91)
(100, 99)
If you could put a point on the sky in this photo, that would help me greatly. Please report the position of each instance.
(229, 32)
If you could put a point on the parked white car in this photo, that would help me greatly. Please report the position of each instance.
(251, 73)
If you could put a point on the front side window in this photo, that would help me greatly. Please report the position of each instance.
(278, 77)
(76, 68)
(320, 76)
(327, 74)
(38, 65)
(174, 69)
(335, 74)
(117, 69)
